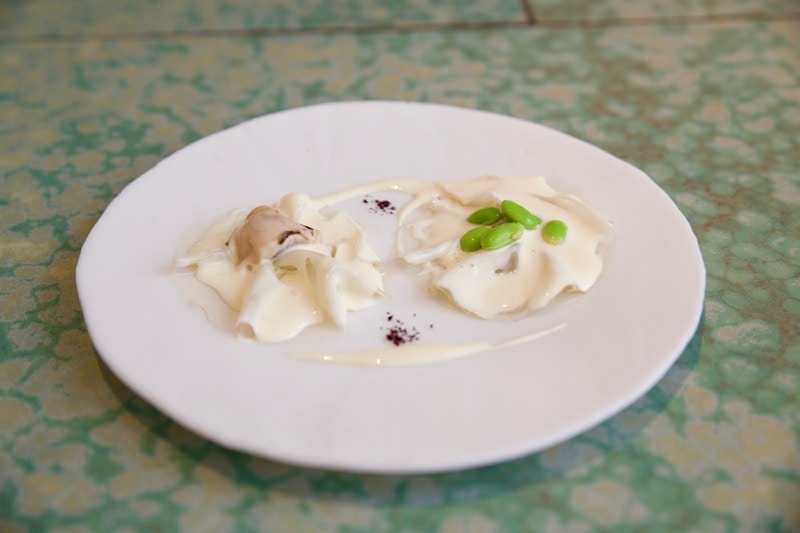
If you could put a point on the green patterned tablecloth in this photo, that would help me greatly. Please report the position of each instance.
(703, 96)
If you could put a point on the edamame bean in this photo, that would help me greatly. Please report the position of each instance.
(471, 240)
(554, 232)
(502, 235)
(516, 213)
(485, 216)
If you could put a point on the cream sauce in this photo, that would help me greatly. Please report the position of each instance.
(412, 354)
(316, 282)
(305, 284)
(519, 278)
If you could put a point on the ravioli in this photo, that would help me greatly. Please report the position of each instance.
(284, 268)
(519, 278)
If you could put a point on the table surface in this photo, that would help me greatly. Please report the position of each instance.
(704, 96)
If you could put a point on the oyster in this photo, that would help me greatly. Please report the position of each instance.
(264, 234)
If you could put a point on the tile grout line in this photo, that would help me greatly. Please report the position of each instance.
(527, 8)
(530, 22)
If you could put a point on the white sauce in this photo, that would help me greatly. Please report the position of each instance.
(304, 285)
(412, 354)
(319, 282)
(522, 277)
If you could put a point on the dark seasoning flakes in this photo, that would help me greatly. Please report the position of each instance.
(384, 207)
(398, 333)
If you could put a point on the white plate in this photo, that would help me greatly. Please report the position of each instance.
(619, 338)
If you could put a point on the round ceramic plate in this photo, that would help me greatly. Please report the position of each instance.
(609, 346)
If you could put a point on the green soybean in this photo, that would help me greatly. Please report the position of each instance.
(516, 213)
(485, 216)
(502, 235)
(471, 240)
(555, 232)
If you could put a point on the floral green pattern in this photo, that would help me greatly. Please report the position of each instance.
(710, 108)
